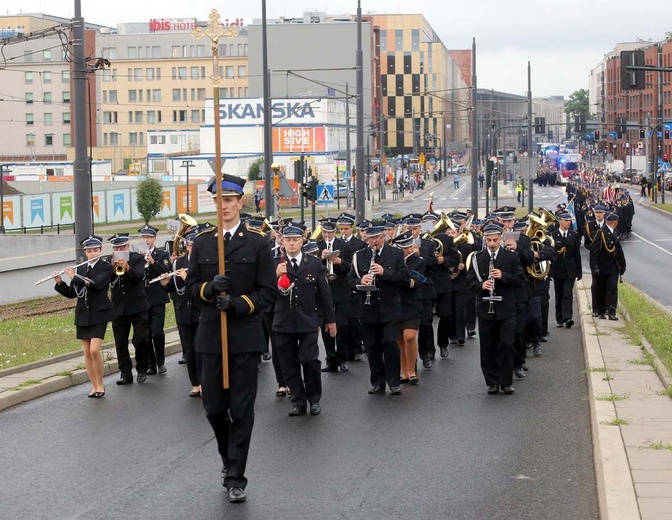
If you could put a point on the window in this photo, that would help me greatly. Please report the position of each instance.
(138, 116)
(133, 138)
(49, 140)
(67, 141)
(242, 71)
(46, 55)
(29, 78)
(66, 117)
(408, 68)
(195, 116)
(48, 119)
(200, 51)
(229, 71)
(140, 95)
(113, 96)
(149, 74)
(179, 116)
(383, 41)
(244, 49)
(142, 137)
(109, 117)
(132, 96)
(151, 117)
(66, 95)
(182, 72)
(30, 139)
(130, 117)
(46, 77)
(104, 96)
(156, 95)
(200, 94)
(398, 40)
(158, 116)
(415, 39)
(158, 73)
(28, 56)
(137, 74)
(240, 49)
(176, 94)
(47, 98)
(114, 138)
(110, 53)
(30, 119)
(129, 74)
(240, 92)
(223, 49)
(132, 53)
(156, 51)
(29, 98)
(107, 75)
(195, 73)
(65, 76)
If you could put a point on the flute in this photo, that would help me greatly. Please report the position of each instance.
(166, 275)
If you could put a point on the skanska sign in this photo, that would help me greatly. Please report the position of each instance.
(250, 112)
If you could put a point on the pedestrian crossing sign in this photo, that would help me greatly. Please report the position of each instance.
(325, 193)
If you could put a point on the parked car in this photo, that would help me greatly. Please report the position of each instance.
(342, 191)
(461, 168)
(122, 172)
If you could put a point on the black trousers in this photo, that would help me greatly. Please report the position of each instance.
(187, 336)
(380, 340)
(297, 351)
(545, 307)
(354, 337)
(444, 310)
(605, 298)
(458, 323)
(268, 327)
(426, 348)
(471, 311)
(337, 348)
(230, 412)
(496, 339)
(121, 328)
(564, 299)
(520, 336)
(533, 327)
(157, 335)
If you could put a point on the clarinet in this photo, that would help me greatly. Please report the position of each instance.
(367, 301)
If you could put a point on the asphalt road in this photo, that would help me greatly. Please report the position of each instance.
(443, 449)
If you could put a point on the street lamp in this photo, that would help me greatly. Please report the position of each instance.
(187, 164)
(2, 197)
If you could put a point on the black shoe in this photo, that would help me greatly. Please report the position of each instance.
(543, 339)
(404, 380)
(569, 324)
(519, 373)
(508, 390)
(453, 342)
(395, 390)
(151, 371)
(315, 409)
(266, 356)
(195, 393)
(414, 380)
(237, 494)
(613, 318)
(330, 368)
(493, 389)
(92, 395)
(125, 380)
(182, 361)
(471, 333)
(162, 369)
(537, 351)
(297, 410)
(525, 367)
(358, 357)
(602, 317)
(142, 378)
(444, 352)
(224, 470)
(460, 341)
(427, 363)
(344, 367)
(596, 314)
(377, 389)
(560, 325)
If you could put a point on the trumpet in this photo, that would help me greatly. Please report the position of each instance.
(163, 276)
(372, 287)
(62, 271)
(331, 276)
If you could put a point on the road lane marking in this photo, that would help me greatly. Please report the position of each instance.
(651, 243)
(663, 240)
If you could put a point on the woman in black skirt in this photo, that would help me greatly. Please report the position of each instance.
(89, 284)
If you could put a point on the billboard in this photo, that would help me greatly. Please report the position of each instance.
(299, 139)
(250, 112)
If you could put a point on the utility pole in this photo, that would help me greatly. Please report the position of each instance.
(530, 154)
(474, 135)
(360, 209)
(82, 180)
(187, 164)
(268, 136)
(348, 151)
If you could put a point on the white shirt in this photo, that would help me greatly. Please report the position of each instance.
(298, 259)
(232, 231)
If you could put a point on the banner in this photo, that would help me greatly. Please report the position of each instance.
(298, 140)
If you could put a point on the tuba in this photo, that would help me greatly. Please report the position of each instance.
(443, 224)
(537, 233)
(317, 233)
(187, 223)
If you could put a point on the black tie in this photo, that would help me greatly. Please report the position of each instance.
(295, 265)
(494, 257)
(227, 238)
(89, 268)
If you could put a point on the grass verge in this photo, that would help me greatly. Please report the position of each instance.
(664, 207)
(25, 340)
(648, 320)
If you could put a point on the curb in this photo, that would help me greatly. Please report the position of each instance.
(57, 383)
(615, 488)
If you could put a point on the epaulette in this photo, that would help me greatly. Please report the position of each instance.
(256, 232)
(208, 230)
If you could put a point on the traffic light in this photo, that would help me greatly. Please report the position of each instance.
(489, 167)
(642, 133)
(597, 135)
(539, 125)
(666, 157)
(632, 79)
(312, 189)
(666, 134)
(297, 171)
(580, 124)
(620, 125)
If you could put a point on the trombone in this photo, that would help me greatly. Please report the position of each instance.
(77, 275)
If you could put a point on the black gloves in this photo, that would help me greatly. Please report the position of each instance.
(220, 283)
(224, 302)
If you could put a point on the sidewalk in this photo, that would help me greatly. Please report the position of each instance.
(21, 384)
(631, 419)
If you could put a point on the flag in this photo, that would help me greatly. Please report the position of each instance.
(571, 211)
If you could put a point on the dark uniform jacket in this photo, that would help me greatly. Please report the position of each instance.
(354, 244)
(299, 311)
(340, 292)
(441, 275)
(252, 286)
(411, 295)
(512, 278)
(186, 312)
(155, 294)
(537, 286)
(460, 281)
(385, 302)
(428, 252)
(93, 307)
(567, 261)
(526, 257)
(128, 290)
(591, 230)
(606, 253)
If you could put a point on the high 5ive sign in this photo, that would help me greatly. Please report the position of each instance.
(250, 112)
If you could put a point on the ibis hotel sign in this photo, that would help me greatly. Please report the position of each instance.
(185, 24)
(250, 112)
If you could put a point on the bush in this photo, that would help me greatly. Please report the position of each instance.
(150, 196)
(254, 173)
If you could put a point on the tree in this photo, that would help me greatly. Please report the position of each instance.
(254, 173)
(150, 196)
(578, 104)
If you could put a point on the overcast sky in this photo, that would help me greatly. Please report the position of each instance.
(562, 40)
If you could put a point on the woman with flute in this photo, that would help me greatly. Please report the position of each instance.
(89, 283)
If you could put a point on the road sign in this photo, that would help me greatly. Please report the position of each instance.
(494, 159)
(325, 193)
(346, 175)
